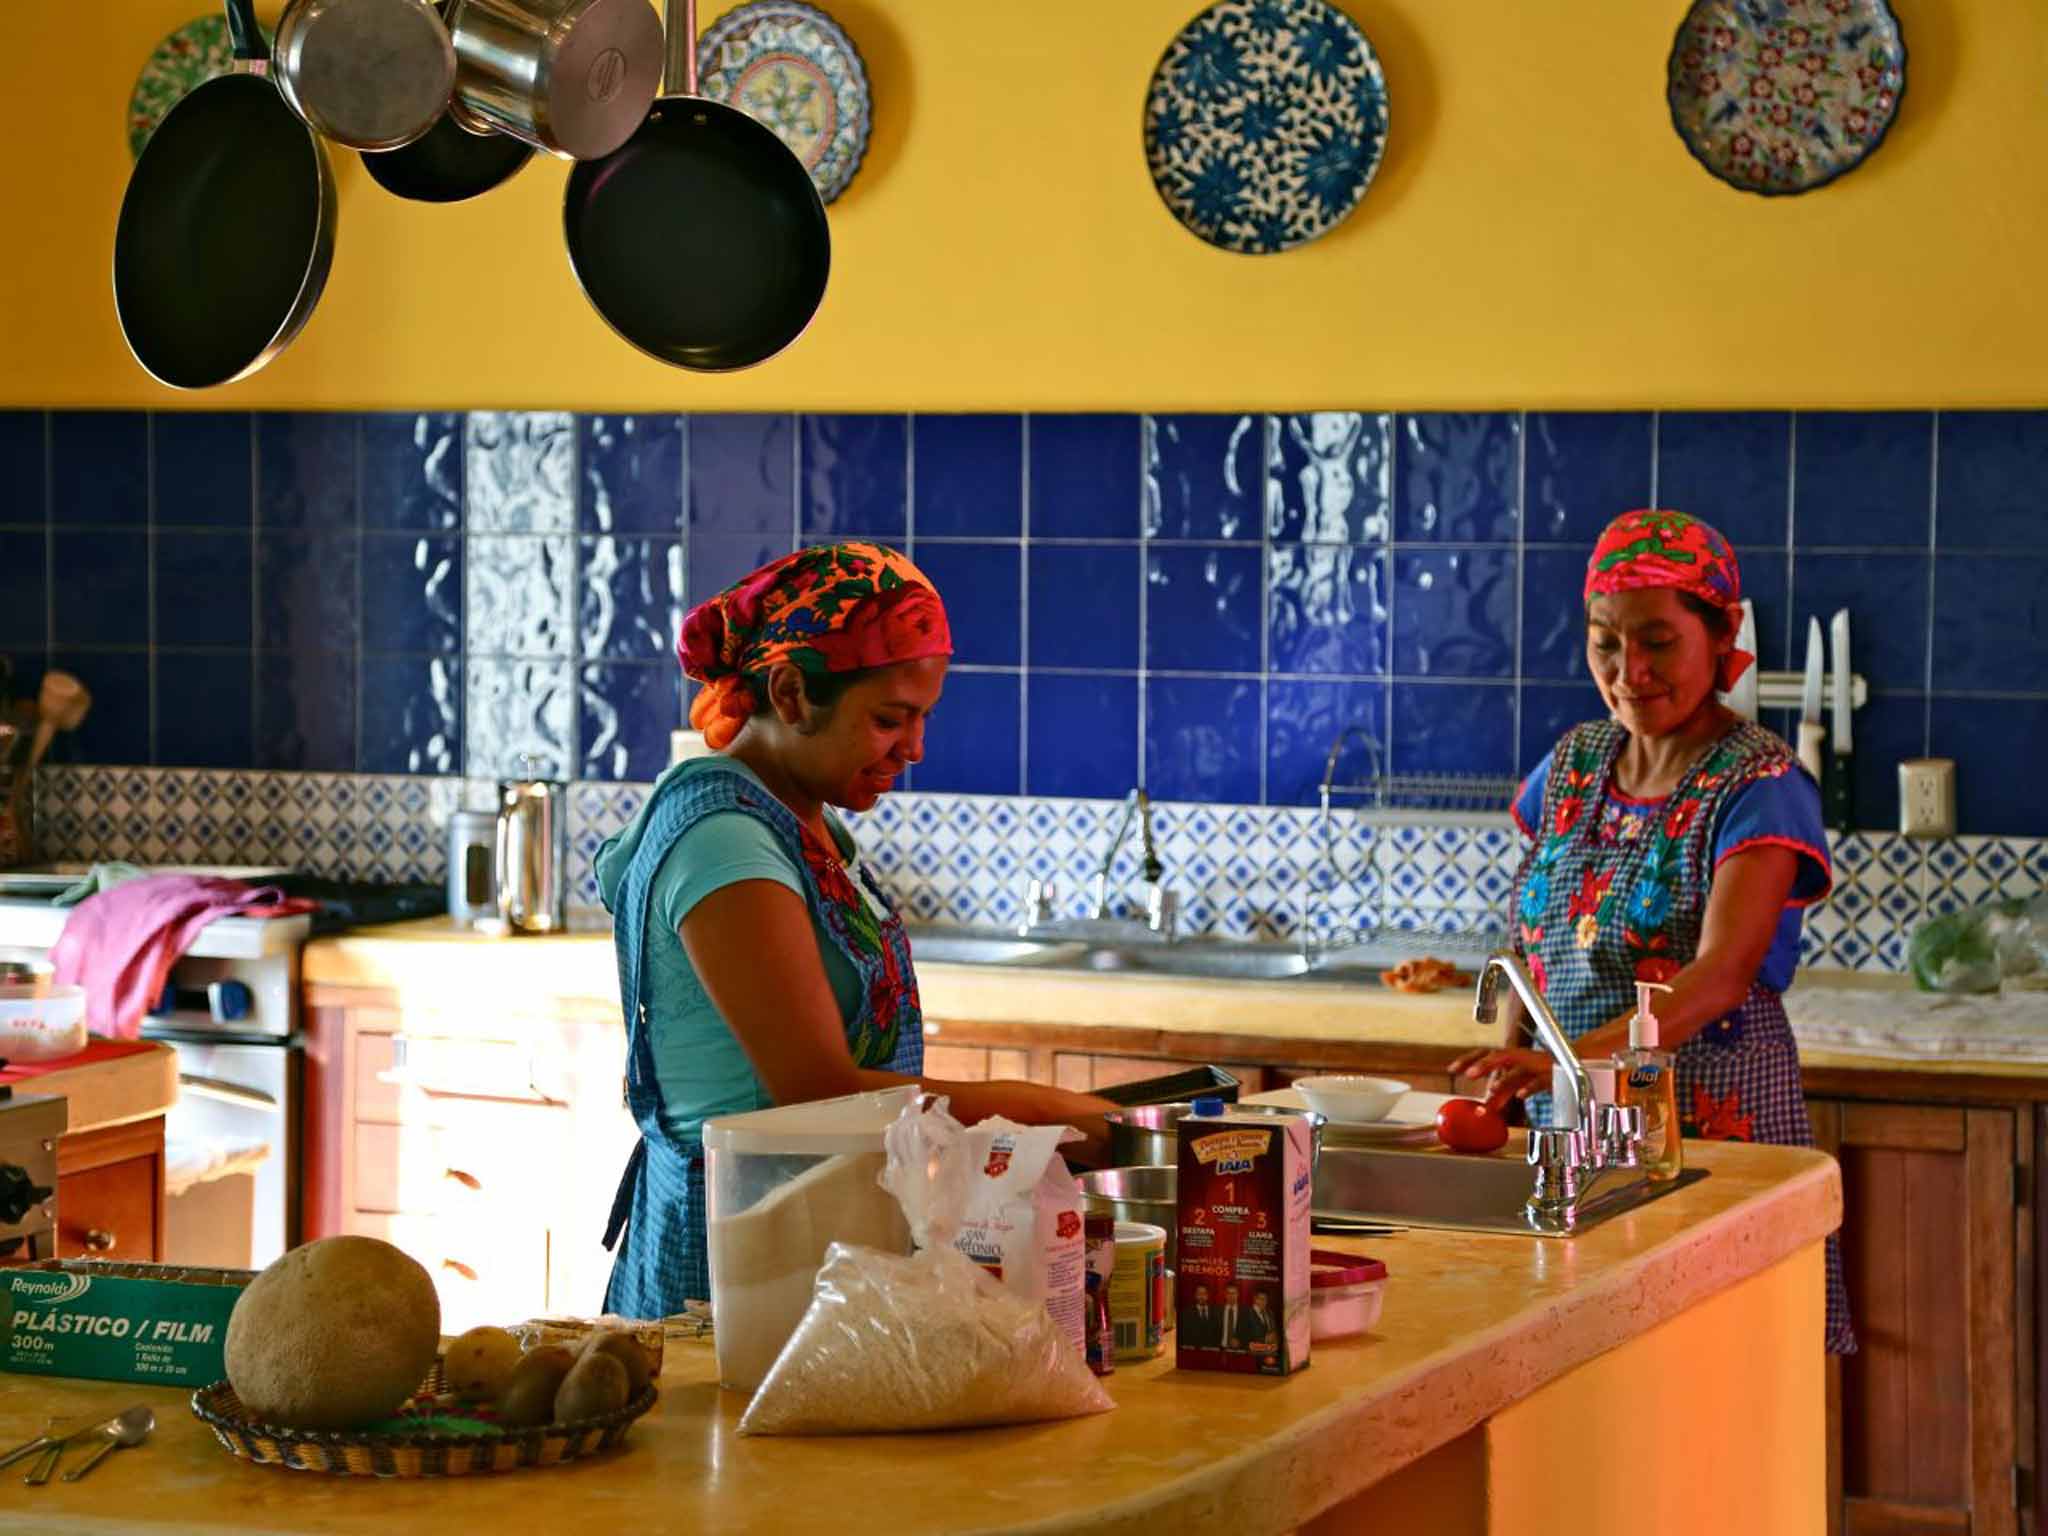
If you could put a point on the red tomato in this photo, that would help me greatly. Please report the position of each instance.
(1466, 1125)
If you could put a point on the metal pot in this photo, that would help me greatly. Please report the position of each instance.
(371, 74)
(572, 77)
(1137, 1194)
(533, 849)
(1147, 1133)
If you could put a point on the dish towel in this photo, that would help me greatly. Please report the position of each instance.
(122, 943)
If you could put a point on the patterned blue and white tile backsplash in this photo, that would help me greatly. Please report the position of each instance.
(1241, 871)
(1197, 602)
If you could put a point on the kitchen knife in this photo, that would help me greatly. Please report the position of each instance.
(1742, 697)
(1811, 731)
(1841, 801)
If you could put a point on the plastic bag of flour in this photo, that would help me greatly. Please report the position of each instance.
(927, 1342)
(1023, 1219)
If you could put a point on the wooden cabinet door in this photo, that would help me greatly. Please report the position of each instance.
(1929, 1403)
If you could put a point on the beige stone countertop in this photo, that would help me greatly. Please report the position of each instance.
(1472, 1324)
(441, 963)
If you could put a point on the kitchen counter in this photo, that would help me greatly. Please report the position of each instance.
(117, 1091)
(437, 961)
(1499, 1368)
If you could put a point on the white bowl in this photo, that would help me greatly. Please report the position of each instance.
(1351, 1100)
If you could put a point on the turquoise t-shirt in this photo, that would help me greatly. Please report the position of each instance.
(698, 1061)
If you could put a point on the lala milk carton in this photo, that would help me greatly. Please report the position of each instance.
(1242, 1288)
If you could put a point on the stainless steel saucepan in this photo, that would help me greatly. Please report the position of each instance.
(1147, 1134)
(371, 74)
(572, 77)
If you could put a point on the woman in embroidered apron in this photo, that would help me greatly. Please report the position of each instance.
(1674, 843)
(759, 962)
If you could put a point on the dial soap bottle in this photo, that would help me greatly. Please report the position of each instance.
(1650, 1083)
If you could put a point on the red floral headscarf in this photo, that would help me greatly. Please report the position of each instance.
(834, 608)
(1671, 549)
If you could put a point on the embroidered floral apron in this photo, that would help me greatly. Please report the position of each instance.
(660, 1201)
(1595, 912)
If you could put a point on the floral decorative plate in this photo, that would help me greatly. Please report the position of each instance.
(190, 56)
(1265, 122)
(1782, 96)
(790, 66)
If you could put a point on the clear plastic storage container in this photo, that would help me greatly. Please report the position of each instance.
(41, 1022)
(782, 1185)
(1346, 1292)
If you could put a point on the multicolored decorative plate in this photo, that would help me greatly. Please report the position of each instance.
(190, 56)
(1782, 96)
(1265, 122)
(790, 66)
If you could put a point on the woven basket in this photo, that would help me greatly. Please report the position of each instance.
(428, 1454)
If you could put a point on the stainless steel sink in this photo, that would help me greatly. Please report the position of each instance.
(966, 947)
(1471, 1194)
(1241, 962)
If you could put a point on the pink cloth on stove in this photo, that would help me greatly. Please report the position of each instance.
(121, 944)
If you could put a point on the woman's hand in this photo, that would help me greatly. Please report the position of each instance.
(1035, 1104)
(1519, 1072)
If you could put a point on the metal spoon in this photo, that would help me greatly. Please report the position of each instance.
(50, 1439)
(132, 1427)
(46, 1463)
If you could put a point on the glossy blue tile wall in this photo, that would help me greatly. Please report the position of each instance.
(1201, 602)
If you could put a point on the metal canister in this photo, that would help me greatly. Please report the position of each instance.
(533, 854)
(472, 866)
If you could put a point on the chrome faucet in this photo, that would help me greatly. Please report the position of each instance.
(1161, 905)
(1589, 1138)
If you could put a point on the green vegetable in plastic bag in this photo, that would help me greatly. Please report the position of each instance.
(1979, 948)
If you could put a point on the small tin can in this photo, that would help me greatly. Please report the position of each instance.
(1137, 1291)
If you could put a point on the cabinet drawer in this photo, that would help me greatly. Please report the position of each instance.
(109, 1212)
(412, 1077)
(483, 1272)
(501, 1161)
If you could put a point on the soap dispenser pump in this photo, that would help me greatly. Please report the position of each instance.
(1650, 1083)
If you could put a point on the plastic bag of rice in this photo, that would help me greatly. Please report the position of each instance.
(925, 1342)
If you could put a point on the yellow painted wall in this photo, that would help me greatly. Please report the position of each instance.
(1537, 235)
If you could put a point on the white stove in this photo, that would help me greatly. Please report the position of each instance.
(239, 1079)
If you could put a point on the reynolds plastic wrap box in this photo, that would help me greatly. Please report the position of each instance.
(112, 1321)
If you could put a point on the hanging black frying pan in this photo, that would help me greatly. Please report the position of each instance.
(702, 241)
(227, 227)
(449, 163)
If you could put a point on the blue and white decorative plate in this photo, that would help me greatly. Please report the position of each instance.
(1782, 96)
(790, 66)
(1265, 122)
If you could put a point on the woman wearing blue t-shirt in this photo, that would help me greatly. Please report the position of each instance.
(759, 961)
(1675, 843)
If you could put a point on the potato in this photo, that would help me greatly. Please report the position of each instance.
(598, 1384)
(629, 1352)
(529, 1395)
(479, 1363)
(336, 1333)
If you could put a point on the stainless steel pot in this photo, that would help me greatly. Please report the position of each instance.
(533, 850)
(1147, 1133)
(572, 77)
(1144, 1194)
(371, 74)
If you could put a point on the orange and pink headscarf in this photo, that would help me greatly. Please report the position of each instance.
(833, 608)
(1650, 548)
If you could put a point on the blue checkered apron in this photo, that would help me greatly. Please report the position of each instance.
(660, 1202)
(1594, 912)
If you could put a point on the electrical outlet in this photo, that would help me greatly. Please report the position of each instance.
(1927, 797)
